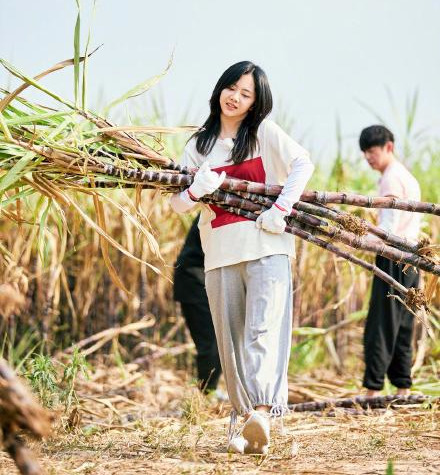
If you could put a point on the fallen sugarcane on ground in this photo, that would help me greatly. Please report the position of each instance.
(134, 421)
(392, 400)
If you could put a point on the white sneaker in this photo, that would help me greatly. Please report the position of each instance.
(237, 445)
(256, 431)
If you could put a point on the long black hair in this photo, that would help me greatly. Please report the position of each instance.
(246, 141)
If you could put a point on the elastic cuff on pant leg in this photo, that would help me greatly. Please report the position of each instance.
(372, 387)
(401, 384)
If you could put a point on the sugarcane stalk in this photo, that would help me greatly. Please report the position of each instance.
(22, 456)
(19, 410)
(327, 197)
(368, 245)
(342, 218)
(347, 221)
(363, 401)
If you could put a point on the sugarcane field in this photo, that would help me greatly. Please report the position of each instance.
(219, 237)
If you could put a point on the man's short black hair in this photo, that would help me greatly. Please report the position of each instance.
(375, 135)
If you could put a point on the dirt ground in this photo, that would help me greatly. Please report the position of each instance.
(132, 422)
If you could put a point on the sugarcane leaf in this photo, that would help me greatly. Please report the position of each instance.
(42, 243)
(5, 129)
(14, 174)
(308, 331)
(140, 88)
(411, 111)
(371, 110)
(59, 129)
(86, 62)
(104, 246)
(76, 50)
(152, 243)
(112, 241)
(431, 287)
(150, 129)
(20, 195)
(29, 119)
(34, 81)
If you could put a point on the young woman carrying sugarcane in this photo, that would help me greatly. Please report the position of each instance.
(247, 263)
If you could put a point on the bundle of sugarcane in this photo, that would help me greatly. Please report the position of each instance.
(50, 151)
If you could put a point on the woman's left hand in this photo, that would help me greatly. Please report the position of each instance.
(272, 220)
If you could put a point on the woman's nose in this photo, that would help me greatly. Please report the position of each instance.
(235, 95)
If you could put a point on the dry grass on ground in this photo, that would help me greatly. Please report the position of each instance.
(135, 422)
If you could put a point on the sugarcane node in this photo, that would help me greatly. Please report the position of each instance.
(353, 224)
(415, 298)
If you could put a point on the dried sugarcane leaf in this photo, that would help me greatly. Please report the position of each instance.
(104, 246)
(431, 287)
(150, 129)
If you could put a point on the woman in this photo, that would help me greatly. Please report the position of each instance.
(247, 265)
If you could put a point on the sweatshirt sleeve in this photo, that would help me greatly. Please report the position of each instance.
(288, 159)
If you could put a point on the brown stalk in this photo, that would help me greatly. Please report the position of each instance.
(18, 411)
(363, 401)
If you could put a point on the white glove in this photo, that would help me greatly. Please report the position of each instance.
(205, 181)
(272, 220)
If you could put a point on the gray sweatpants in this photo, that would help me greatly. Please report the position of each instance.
(251, 306)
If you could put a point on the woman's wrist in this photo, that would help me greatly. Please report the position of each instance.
(191, 196)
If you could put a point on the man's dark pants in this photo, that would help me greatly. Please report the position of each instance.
(388, 330)
(195, 308)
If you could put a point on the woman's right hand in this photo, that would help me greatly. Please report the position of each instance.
(205, 181)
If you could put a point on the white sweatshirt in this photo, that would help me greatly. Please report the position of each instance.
(227, 238)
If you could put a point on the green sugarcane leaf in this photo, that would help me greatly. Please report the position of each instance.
(42, 243)
(411, 111)
(86, 58)
(76, 52)
(14, 174)
(28, 119)
(140, 88)
(55, 132)
(15, 72)
(20, 195)
(308, 331)
(4, 128)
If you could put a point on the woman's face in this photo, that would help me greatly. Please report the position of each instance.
(238, 98)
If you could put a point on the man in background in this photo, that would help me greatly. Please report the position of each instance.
(189, 290)
(389, 325)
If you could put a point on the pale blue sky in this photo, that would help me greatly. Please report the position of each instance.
(321, 56)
